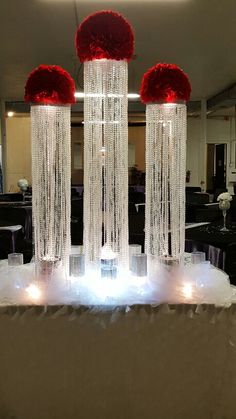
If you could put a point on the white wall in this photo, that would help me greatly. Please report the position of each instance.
(218, 131)
(18, 149)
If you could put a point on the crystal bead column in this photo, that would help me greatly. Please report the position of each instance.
(165, 179)
(106, 159)
(51, 189)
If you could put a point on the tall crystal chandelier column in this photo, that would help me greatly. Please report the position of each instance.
(106, 158)
(165, 89)
(50, 90)
(104, 43)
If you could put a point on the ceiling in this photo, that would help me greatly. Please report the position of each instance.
(197, 35)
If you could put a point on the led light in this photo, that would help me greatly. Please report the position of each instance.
(102, 122)
(10, 114)
(133, 95)
(81, 95)
(187, 291)
(34, 292)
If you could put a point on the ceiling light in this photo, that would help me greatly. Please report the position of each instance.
(133, 95)
(81, 95)
(10, 114)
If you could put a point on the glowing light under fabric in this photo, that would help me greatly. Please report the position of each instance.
(34, 292)
(194, 284)
(188, 291)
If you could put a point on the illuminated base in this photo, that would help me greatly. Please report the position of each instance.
(192, 284)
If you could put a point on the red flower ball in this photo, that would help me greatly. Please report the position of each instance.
(51, 85)
(104, 34)
(165, 83)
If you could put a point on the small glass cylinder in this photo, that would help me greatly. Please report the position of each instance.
(109, 268)
(134, 249)
(15, 259)
(139, 264)
(46, 268)
(198, 257)
(76, 250)
(77, 265)
(169, 262)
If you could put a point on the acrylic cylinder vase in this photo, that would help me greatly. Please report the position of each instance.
(106, 160)
(165, 180)
(51, 189)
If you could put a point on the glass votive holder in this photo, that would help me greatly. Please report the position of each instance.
(134, 249)
(198, 257)
(139, 264)
(77, 265)
(15, 259)
(169, 262)
(46, 268)
(76, 250)
(109, 268)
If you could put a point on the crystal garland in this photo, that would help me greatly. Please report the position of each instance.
(165, 180)
(51, 174)
(106, 159)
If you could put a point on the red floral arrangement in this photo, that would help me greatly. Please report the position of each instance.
(104, 34)
(165, 83)
(51, 85)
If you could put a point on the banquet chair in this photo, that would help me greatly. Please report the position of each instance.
(230, 262)
(77, 221)
(136, 197)
(11, 197)
(215, 255)
(14, 229)
(136, 227)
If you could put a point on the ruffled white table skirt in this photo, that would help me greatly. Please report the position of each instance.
(165, 362)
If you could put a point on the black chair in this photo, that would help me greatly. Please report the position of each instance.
(190, 189)
(213, 254)
(232, 211)
(207, 214)
(136, 197)
(11, 197)
(77, 221)
(197, 198)
(136, 227)
(230, 262)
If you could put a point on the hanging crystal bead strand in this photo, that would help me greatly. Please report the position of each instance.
(106, 159)
(51, 174)
(165, 180)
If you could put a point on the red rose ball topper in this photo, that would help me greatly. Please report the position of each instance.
(165, 83)
(50, 85)
(104, 34)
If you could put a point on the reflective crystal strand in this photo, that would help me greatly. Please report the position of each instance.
(106, 159)
(165, 179)
(51, 174)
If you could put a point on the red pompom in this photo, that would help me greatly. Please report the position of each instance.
(104, 34)
(165, 83)
(51, 85)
